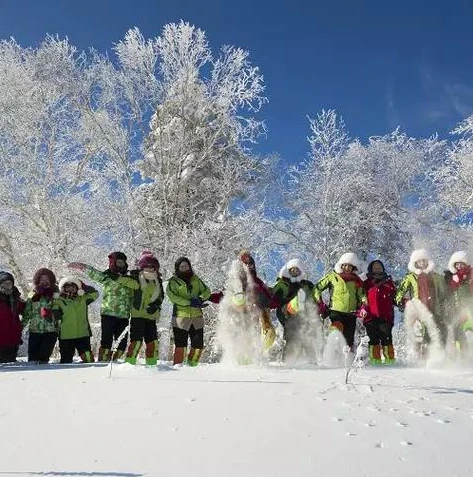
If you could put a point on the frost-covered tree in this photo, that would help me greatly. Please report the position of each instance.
(454, 179)
(197, 168)
(42, 206)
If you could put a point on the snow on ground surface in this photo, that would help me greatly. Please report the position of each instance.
(74, 420)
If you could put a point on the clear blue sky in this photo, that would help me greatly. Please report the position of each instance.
(379, 63)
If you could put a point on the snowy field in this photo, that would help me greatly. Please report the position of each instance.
(76, 420)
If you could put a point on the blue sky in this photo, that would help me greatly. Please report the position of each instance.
(380, 64)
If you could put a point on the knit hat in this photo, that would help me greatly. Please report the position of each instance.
(112, 261)
(4, 276)
(347, 258)
(44, 271)
(457, 257)
(74, 280)
(148, 260)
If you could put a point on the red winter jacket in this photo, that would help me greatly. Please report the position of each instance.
(380, 297)
(10, 325)
(260, 293)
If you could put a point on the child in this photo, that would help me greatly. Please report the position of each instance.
(38, 314)
(147, 299)
(116, 303)
(347, 296)
(459, 290)
(11, 306)
(289, 293)
(379, 320)
(187, 292)
(426, 290)
(71, 309)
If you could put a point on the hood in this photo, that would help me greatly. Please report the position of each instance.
(350, 258)
(460, 256)
(420, 254)
(284, 272)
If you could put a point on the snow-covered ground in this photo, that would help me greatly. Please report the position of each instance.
(217, 421)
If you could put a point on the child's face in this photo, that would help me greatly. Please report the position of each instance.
(294, 272)
(121, 264)
(6, 287)
(460, 266)
(70, 288)
(149, 270)
(184, 267)
(377, 268)
(422, 264)
(44, 281)
(347, 267)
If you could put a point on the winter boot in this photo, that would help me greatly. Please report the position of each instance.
(104, 354)
(389, 356)
(132, 353)
(179, 354)
(194, 356)
(87, 357)
(375, 354)
(152, 353)
(336, 325)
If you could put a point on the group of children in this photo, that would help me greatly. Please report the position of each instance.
(131, 301)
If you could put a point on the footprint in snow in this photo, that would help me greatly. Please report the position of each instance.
(370, 424)
(443, 421)
(402, 424)
(406, 443)
(337, 419)
(379, 445)
(350, 434)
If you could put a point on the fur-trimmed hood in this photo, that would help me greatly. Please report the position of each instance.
(293, 263)
(460, 256)
(420, 254)
(71, 279)
(349, 258)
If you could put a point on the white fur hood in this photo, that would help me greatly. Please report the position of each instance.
(420, 254)
(71, 279)
(284, 272)
(349, 258)
(460, 256)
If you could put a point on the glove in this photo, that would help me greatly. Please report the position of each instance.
(362, 312)
(196, 302)
(216, 297)
(46, 313)
(152, 308)
(323, 309)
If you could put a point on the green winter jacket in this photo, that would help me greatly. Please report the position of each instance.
(73, 314)
(32, 316)
(409, 286)
(148, 295)
(180, 293)
(117, 298)
(284, 291)
(345, 297)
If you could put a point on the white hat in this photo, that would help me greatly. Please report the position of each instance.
(293, 263)
(420, 254)
(348, 258)
(457, 257)
(74, 280)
